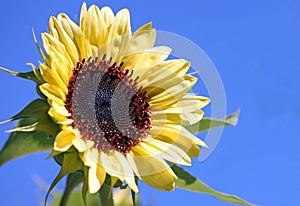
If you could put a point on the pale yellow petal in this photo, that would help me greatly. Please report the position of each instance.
(188, 103)
(83, 12)
(186, 110)
(166, 151)
(80, 144)
(119, 35)
(91, 157)
(57, 47)
(176, 135)
(64, 38)
(97, 176)
(107, 15)
(83, 47)
(112, 165)
(127, 171)
(168, 93)
(142, 61)
(132, 164)
(192, 117)
(94, 27)
(93, 182)
(143, 38)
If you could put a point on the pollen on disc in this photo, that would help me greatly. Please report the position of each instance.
(107, 106)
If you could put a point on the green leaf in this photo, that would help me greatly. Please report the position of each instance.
(211, 123)
(25, 75)
(36, 109)
(24, 143)
(73, 180)
(71, 163)
(188, 182)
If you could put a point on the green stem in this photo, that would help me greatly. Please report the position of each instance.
(73, 180)
(105, 194)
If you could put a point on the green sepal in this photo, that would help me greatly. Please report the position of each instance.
(39, 93)
(45, 56)
(73, 180)
(45, 124)
(105, 192)
(35, 109)
(37, 73)
(59, 158)
(71, 163)
(25, 75)
(119, 184)
(188, 182)
(133, 197)
(133, 193)
(206, 124)
(24, 143)
(85, 185)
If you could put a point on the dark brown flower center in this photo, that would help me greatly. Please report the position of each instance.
(107, 106)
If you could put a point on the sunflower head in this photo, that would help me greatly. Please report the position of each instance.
(118, 100)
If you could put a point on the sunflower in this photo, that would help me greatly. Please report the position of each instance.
(117, 99)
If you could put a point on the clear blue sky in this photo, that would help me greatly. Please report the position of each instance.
(255, 46)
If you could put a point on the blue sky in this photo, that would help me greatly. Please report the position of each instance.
(255, 46)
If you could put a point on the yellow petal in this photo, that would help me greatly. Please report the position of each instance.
(61, 69)
(52, 90)
(153, 171)
(59, 109)
(63, 140)
(194, 151)
(59, 118)
(52, 77)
